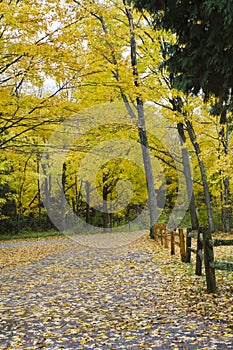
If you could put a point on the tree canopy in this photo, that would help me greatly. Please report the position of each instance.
(62, 59)
(202, 57)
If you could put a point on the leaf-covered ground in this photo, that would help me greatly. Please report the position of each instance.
(131, 295)
(22, 252)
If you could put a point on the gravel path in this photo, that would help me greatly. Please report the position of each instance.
(90, 298)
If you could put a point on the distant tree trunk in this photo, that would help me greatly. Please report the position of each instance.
(111, 221)
(226, 205)
(78, 195)
(188, 177)
(195, 144)
(105, 204)
(63, 198)
(76, 198)
(87, 187)
(38, 189)
(225, 194)
(45, 188)
(221, 189)
(20, 195)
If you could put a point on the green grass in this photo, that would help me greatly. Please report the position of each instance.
(30, 234)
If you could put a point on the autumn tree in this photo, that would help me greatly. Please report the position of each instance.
(62, 58)
(200, 60)
(36, 73)
(111, 52)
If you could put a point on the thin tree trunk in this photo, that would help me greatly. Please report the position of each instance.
(63, 196)
(221, 195)
(21, 190)
(87, 188)
(188, 177)
(195, 144)
(78, 196)
(45, 189)
(152, 200)
(38, 189)
(224, 137)
(226, 209)
(226, 190)
(76, 199)
(111, 221)
(105, 205)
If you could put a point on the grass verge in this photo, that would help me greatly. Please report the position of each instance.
(30, 234)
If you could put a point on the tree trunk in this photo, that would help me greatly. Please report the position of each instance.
(63, 198)
(195, 144)
(78, 196)
(45, 188)
(87, 188)
(20, 195)
(226, 194)
(188, 177)
(152, 200)
(226, 209)
(38, 189)
(105, 205)
(111, 221)
(209, 261)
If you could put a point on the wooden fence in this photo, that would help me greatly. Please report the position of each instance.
(163, 235)
(204, 249)
(205, 253)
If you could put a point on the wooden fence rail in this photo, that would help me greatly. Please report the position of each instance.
(204, 249)
(221, 265)
(205, 241)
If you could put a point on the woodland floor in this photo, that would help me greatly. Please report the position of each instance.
(66, 294)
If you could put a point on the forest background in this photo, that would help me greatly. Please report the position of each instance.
(67, 58)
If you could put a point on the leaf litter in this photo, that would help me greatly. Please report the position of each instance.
(134, 296)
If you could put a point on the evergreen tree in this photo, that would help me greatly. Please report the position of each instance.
(202, 57)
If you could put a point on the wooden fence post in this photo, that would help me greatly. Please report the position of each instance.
(182, 245)
(209, 261)
(165, 236)
(199, 255)
(172, 241)
(188, 245)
